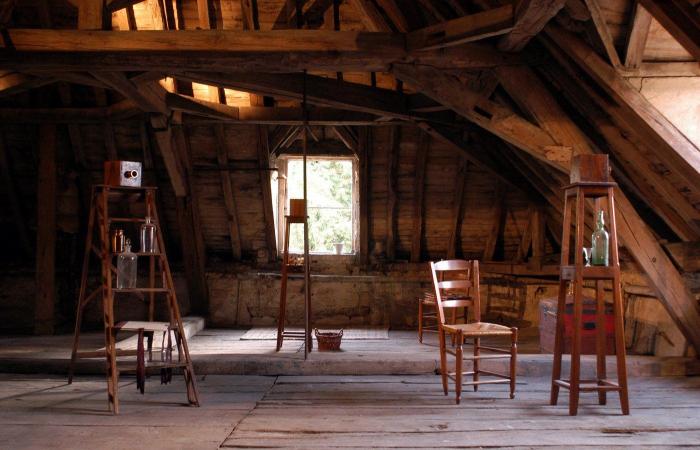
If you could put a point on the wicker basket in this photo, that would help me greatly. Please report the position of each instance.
(328, 341)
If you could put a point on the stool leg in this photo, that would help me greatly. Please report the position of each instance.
(420, 320)
(620, 346)
(513, 360)
(558, 342)
(601, 340)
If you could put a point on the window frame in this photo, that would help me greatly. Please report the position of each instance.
(282, 204)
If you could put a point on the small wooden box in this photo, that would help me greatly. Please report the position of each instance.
(297, 207)
(590, 169)
(122, 173)
(548, 325)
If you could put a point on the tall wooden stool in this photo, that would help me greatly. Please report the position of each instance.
(601, 193)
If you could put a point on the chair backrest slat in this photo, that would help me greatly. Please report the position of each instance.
(456, 281)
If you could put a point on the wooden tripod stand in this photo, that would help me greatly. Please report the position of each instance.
(282, 318)
(97, 244)
(601, 192)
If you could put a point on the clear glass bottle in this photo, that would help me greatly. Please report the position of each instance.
(126, 268)
(600, 242)
(148, 236)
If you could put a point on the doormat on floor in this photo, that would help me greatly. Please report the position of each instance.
(354, 333)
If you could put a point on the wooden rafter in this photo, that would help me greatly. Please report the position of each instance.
(680, 19)
(530, 18)
(395, 14)
(370, 15)
(464, 29)
(669, 143)
(263, 150)
(637, 37)
(601, 27)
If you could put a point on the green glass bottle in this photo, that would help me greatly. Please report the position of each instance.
(600, 242)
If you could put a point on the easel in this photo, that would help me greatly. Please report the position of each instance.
(97, 243)
(297, 215)
(601, 192)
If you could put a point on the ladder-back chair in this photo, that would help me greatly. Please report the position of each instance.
(455, 280)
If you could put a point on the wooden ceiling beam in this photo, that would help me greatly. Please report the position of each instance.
(495, 118)
(530, 18)
(601, 26)
(211, 41)
(670, 144)
(680, 19)
(637, 37)
(464, 29)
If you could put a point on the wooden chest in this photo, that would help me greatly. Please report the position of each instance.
(548, 323)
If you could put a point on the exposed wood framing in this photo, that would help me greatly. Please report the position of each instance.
(458, 31)
(670, 144)
(6, 9)
(263, 148)
(395, 14)
(418, 195)
(370, 15)
(365, 149)
(680, 19)
(457, 204)
(10, 193)
(46, 232)
(347, 136)
(249, 14)
(636, 236)
(193, 250)
(601, 27)
(497, 222)
(537, 230)
(637, 37)
(530, 18)
(91, 14)
(391, 190)
(229, 201)
(13, 83)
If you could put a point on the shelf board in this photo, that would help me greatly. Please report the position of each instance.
(590, 272)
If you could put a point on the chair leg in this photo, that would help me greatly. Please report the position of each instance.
(513, 360)
(454, 321)
(458, 367)
(477, 342)
(420, 321)
(443, 359)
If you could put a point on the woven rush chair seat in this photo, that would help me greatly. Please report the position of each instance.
(479, 329)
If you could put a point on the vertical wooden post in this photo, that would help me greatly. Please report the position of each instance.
(46, 232)
(537, 230)
(91, 15)
(457, 207)
(496, 224)
(268, 213)
(365, 200)
(419, 192)
(391, 194)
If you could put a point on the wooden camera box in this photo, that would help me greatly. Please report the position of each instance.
(122, 173)
(590, 169)
(548, 325)
(297, 207)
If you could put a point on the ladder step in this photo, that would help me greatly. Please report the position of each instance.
(135, 325)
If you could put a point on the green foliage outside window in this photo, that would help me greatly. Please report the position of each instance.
(329, 191)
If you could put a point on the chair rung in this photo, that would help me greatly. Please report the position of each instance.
(471, 357)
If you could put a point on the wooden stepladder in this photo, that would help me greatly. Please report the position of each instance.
(602, 195)
(159, 284)
(282, 318)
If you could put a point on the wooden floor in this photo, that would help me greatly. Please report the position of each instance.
(336, 411)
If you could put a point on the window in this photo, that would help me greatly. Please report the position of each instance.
(332, 207)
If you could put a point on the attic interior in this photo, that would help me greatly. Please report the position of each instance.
(432, 130)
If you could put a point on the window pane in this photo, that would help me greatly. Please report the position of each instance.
(330, 204)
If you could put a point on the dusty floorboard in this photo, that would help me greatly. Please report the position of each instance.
(338, 411)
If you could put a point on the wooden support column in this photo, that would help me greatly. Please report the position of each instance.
(229, 201)
(418, 195)
(91, 14)
(263, 145)
(12, 197)
(364, 149)
(457, 202)
(497, 219)
(46, 232)
(391, 194)
(537, 228)
(193, 250)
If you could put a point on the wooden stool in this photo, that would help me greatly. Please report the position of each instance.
(576, 274)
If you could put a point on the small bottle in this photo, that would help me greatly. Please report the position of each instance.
(117, 241)
(126, 268)
(148, 236)
(599, 242)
